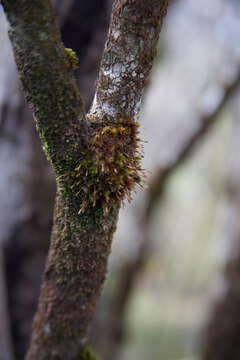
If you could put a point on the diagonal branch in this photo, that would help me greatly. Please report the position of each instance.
(47, 77)
(128, 57)
(206, 123)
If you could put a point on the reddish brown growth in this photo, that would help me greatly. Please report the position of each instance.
(111, 168)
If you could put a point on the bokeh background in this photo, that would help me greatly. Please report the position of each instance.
(173, 287)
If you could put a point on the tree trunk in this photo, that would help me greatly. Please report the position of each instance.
(95, 156)
(27, 184)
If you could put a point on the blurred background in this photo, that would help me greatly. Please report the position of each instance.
(173, 287)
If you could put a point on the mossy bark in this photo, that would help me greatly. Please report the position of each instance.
(47, 79)
(90, 181)
(75, 272)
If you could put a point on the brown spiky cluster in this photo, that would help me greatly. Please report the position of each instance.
(111, 167)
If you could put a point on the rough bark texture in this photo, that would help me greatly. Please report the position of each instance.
(29, 178)
(74, 274)
(128, 57)
(91, 183)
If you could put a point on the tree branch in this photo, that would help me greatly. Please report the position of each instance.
(47, 78)
(96, 163)
(28, 232)
(128, 57)
(159, 180)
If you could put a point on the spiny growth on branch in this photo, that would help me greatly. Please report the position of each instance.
(110, 166)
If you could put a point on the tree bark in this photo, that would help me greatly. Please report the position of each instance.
(95, 157)
(29, 178)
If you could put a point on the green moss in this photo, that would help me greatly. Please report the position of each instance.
(108, 169)
(88, 354)
(72, 58)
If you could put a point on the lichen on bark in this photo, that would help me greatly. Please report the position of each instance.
(95, 156)
(128, 57)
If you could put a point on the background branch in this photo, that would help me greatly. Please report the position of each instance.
(131, 270)
(158, 182)
(5, 334)
(221, 332)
